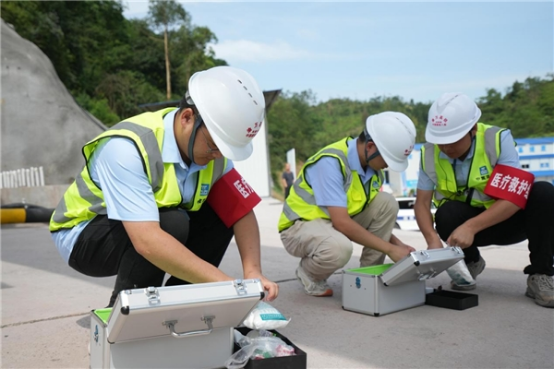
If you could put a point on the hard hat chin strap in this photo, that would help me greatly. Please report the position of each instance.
(197, 123)
(374, 155)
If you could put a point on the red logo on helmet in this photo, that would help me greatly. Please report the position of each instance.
(408, 151)
(251, 132)
(439, 121)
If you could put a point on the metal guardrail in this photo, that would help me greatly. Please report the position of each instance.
(23, 177)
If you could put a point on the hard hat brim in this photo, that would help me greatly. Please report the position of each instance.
(430, 138)
(235, 153)
(394, 164)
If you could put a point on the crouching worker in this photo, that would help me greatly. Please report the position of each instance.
(472, 173)
(141, 206)
(336, 201)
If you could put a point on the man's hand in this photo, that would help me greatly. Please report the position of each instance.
(400, 251)
(270, 287)
(434, 241)
(435, 245)
(461, 237)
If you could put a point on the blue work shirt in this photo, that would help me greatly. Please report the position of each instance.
(116, 166)
(326, 179)
(508, 157)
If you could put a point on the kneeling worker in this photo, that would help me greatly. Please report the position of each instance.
(471, 171)
(336, 200)
(148, 201)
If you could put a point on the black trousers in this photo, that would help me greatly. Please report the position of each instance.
(104, 248)
(534, 223)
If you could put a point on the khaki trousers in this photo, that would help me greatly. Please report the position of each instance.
(323, 250)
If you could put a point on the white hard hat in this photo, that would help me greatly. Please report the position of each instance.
(451, 117)
(231, 105)
(394, 135)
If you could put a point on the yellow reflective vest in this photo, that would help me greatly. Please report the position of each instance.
(301, 204)
(83, 200)
(485, 157)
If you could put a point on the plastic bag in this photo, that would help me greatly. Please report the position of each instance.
(261, 345)
(460, 275)
(265, 316)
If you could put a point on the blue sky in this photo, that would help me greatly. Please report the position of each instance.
(360, 50)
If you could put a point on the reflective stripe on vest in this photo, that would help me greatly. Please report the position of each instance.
(83, 199)
(485, 157)
(301, 204)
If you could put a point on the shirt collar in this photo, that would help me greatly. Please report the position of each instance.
(354, 161)
(170, 150)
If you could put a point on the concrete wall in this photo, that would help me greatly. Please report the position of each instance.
(42, 125)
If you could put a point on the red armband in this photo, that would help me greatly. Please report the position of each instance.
(511, 184)
(231, 197)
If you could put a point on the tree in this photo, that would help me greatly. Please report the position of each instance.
(190, 49)
(166, 13)
(82, 38)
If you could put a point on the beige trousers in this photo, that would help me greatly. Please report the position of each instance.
(323, 250)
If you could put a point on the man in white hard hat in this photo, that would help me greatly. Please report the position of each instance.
(471, 171)
(336, 200)
(143, 207)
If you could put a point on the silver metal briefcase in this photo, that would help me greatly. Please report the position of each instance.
(185, 326)
(383, 289)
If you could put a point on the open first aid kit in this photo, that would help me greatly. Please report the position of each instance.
(383, 289)
(185, 326)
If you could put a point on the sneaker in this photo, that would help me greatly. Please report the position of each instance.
(540, 287)
(317, 288)
(475, 268)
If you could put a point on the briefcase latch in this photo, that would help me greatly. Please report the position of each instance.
(240, 287)
(152, 295)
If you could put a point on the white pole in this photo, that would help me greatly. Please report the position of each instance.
(14, 179)
(28, 177)
(37, 178)
(41, 176)
(32, 174)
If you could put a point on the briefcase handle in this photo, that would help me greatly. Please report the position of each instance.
(171, 325)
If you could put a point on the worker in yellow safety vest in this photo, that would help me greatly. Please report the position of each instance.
(336, 200)
(471, 171)
(149, 200)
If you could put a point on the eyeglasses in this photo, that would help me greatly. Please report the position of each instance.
(210, 149)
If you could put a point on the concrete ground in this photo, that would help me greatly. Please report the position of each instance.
(46, 305)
